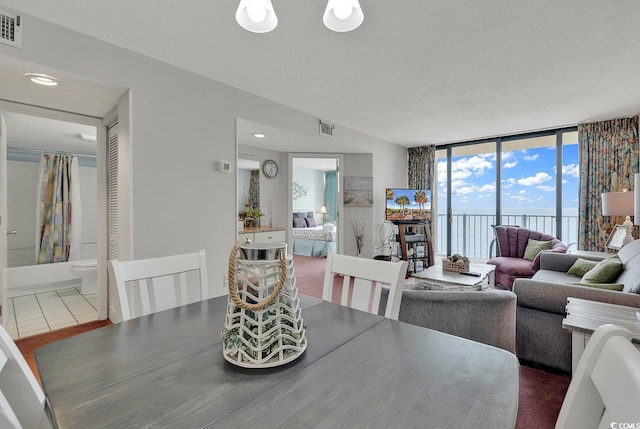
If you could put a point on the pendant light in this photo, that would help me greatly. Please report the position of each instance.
(343, 15)
(256, 16)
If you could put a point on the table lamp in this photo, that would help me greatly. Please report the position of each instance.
(323, 211)
(620, 204)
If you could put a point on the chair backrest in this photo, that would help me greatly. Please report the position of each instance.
(364, 279)
(606, 385)
(21, 397)
(147, 286)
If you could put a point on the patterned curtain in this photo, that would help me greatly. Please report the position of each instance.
(330, 195)
(55, 209)
(608, 157)
(421, 167)
(254, 189)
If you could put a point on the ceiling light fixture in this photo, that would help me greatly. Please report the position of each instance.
(42, 79)
(259, 135)
(87, 137)
(343, 15)
(258, 16)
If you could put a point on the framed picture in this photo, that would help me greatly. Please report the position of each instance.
(616, 239)
(358, 191)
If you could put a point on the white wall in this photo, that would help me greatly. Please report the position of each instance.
(313, 181)
(182, 124)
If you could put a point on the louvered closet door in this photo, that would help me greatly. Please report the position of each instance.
(112, 203)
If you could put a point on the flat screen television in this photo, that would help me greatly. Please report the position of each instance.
(408, 205)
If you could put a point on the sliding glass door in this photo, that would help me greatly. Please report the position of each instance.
(528, 180)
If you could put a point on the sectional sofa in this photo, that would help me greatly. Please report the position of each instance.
(541, 303)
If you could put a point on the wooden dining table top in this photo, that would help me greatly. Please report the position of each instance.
(359, 370)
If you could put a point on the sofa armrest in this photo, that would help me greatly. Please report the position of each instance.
(552, 297)
(554, 261)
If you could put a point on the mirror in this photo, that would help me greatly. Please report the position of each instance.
(248, 188)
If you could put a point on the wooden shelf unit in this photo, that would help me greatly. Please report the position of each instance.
(410, 237)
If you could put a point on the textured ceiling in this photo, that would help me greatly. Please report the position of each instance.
(416, 72)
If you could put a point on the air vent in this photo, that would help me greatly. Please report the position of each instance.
(326, 129)
(10, 29)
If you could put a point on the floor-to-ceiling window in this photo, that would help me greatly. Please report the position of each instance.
(527, 180)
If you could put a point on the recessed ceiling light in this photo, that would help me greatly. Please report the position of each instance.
(259, 135)
(87, 137)
(42, 79)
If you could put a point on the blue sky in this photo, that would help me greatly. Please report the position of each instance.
(528, 180)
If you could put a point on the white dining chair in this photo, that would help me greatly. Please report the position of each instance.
(22, 401)
(362, 282)
(147, 286)
(605, 388)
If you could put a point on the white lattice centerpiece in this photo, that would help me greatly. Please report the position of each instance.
(263, 326)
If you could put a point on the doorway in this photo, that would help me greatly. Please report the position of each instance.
(41, 297)
(314, 197)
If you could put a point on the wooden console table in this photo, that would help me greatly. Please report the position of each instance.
(584, 317)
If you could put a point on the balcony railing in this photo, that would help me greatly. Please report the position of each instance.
(472, 235)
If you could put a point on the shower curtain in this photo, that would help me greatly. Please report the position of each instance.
(59, 224)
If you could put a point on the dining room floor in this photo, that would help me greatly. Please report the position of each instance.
(47, 311)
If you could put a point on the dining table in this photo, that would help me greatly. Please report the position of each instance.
(359, 370)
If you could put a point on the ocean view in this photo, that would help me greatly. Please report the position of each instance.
(472, 232)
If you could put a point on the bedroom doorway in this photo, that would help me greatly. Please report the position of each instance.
(315, 202)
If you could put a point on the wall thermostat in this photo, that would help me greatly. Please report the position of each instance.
(224, 166)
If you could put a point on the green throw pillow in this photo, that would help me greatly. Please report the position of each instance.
(581, 267)
(606, 271)
(534, 247)
(608, 286)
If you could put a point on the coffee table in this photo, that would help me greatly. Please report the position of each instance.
(438, 279)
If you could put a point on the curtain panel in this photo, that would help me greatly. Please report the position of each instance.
(55, 209)
(254, 189)
(421, 167)
(608, 157)
(330, 195)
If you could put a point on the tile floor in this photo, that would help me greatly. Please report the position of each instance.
(47, 311)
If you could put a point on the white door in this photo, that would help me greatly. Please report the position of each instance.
(3, 219)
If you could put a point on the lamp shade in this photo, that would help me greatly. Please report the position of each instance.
(323, 210)
(256, 16)
(636, 202)
(617, 203)
(343, 15)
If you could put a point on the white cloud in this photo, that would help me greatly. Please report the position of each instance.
(572, 170)
(530, 157)
(510, 164)
(540, 177)
(546, 188)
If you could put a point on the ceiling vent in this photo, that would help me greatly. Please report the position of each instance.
(10, 29)
(326, 129)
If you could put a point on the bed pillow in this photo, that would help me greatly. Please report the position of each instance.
(329, 227)
(300, 215)
(311, 215)
(311, 222)
(534, 247)
(299, 222)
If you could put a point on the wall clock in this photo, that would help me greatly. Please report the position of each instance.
(270, 168)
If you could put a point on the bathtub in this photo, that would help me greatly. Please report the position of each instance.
(41, 278)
